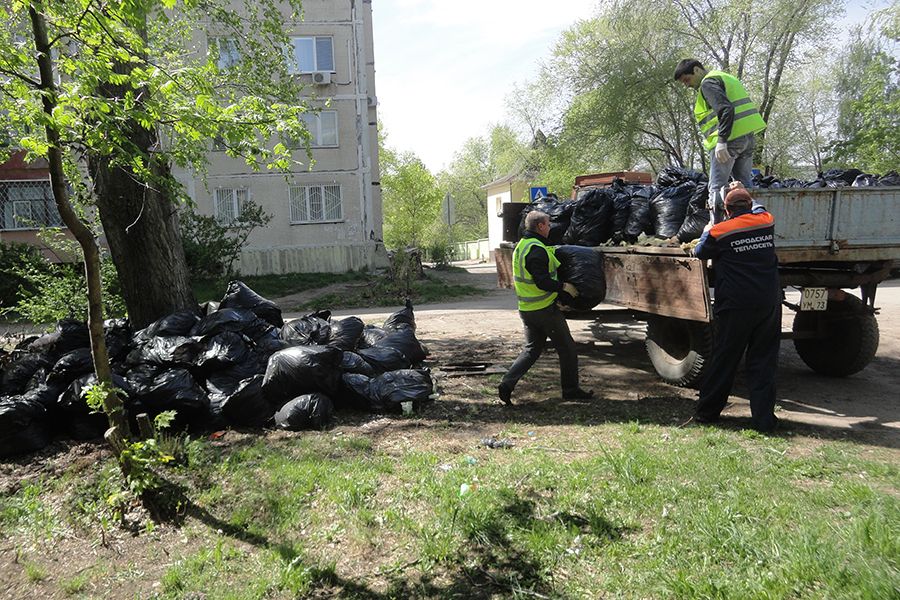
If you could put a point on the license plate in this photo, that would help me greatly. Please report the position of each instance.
(814, 298)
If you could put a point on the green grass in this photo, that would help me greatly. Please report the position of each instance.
(620, 510)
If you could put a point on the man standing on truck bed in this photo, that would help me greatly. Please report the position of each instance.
(747, 308)
(728, 121)
(537, 289)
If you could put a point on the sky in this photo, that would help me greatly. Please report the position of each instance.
(444, 68)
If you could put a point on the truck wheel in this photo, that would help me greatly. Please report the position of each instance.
(850, 338)
(679, 349)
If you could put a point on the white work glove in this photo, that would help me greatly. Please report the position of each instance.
(570, 289)
(722, 154)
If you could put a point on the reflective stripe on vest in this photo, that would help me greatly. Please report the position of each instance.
(529, 295)
(746, 115)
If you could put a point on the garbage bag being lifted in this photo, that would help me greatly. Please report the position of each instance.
(583, 268)
(310, 411)
(697, 215)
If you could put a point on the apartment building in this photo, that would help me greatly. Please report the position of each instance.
(325, 219)
(328, 218)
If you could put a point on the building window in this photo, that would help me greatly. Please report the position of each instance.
(27, 205)
(311, 54)
(323, 128)
(229, 204)
(313, 203)
(227, 49)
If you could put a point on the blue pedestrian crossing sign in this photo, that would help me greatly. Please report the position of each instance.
(538, 192)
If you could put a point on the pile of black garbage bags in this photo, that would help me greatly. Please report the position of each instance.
(674, 207)
(832, 178)
(233, 363)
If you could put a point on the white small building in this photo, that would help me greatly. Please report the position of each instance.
(511, 188)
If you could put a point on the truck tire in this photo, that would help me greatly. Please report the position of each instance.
(850, 338)
(679, 349)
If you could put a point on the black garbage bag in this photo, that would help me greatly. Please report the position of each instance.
(70, 334)
(406, 342)
(385, 359)
(370, 336)
(866, 180)
(673, 176)
(20, 371)
(351, 362)
(314, 328)
(621, 211)
(118, 336)
(353, 392)
(77, 419)
(890, 178)
(560, 213)
(179, 322)
(346, 332)
(403, 318)
(793, 183)
(301, 370)
(238, 295)
(221, 351)
(387, 391)
(592, 218)
(47, 396)
(583, 268)
(160, 389)
(70, 367)
(639, 221)
(697, 216)
(244, 404)
(176, 350)
(840, 177)
(226, 381)
(309, 411)
(818, 183)
(669, 208)
(239, 320)
(24, 426)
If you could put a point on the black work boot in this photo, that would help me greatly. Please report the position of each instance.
(578, 394)
(505, 394)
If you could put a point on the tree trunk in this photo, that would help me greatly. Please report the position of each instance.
(141, 224)
(112, 404)
(144, 236)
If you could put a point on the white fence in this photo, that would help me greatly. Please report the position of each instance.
(472, 250)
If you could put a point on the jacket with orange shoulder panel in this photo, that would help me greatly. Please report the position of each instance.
(743, 253)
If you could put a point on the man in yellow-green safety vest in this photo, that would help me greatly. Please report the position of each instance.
(537, 290)
(728, 121)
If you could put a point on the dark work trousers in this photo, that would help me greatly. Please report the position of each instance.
(539, 325)
(758, 331)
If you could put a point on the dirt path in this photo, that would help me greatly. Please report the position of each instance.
(862, 408)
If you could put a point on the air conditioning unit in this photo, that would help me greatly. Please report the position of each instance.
(371, 101)
(321, 77)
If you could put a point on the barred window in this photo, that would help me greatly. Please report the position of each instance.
(27, 205)
(312, 203)
(229, 202)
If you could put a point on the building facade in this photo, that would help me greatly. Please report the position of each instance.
(328, 218)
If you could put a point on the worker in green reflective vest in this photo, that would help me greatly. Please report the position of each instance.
(728, 120)
(537, 290)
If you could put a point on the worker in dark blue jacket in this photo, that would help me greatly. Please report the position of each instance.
(747, 308)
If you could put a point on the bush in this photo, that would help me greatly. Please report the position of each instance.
(50, 292)
(15, 258)
(212, 248)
